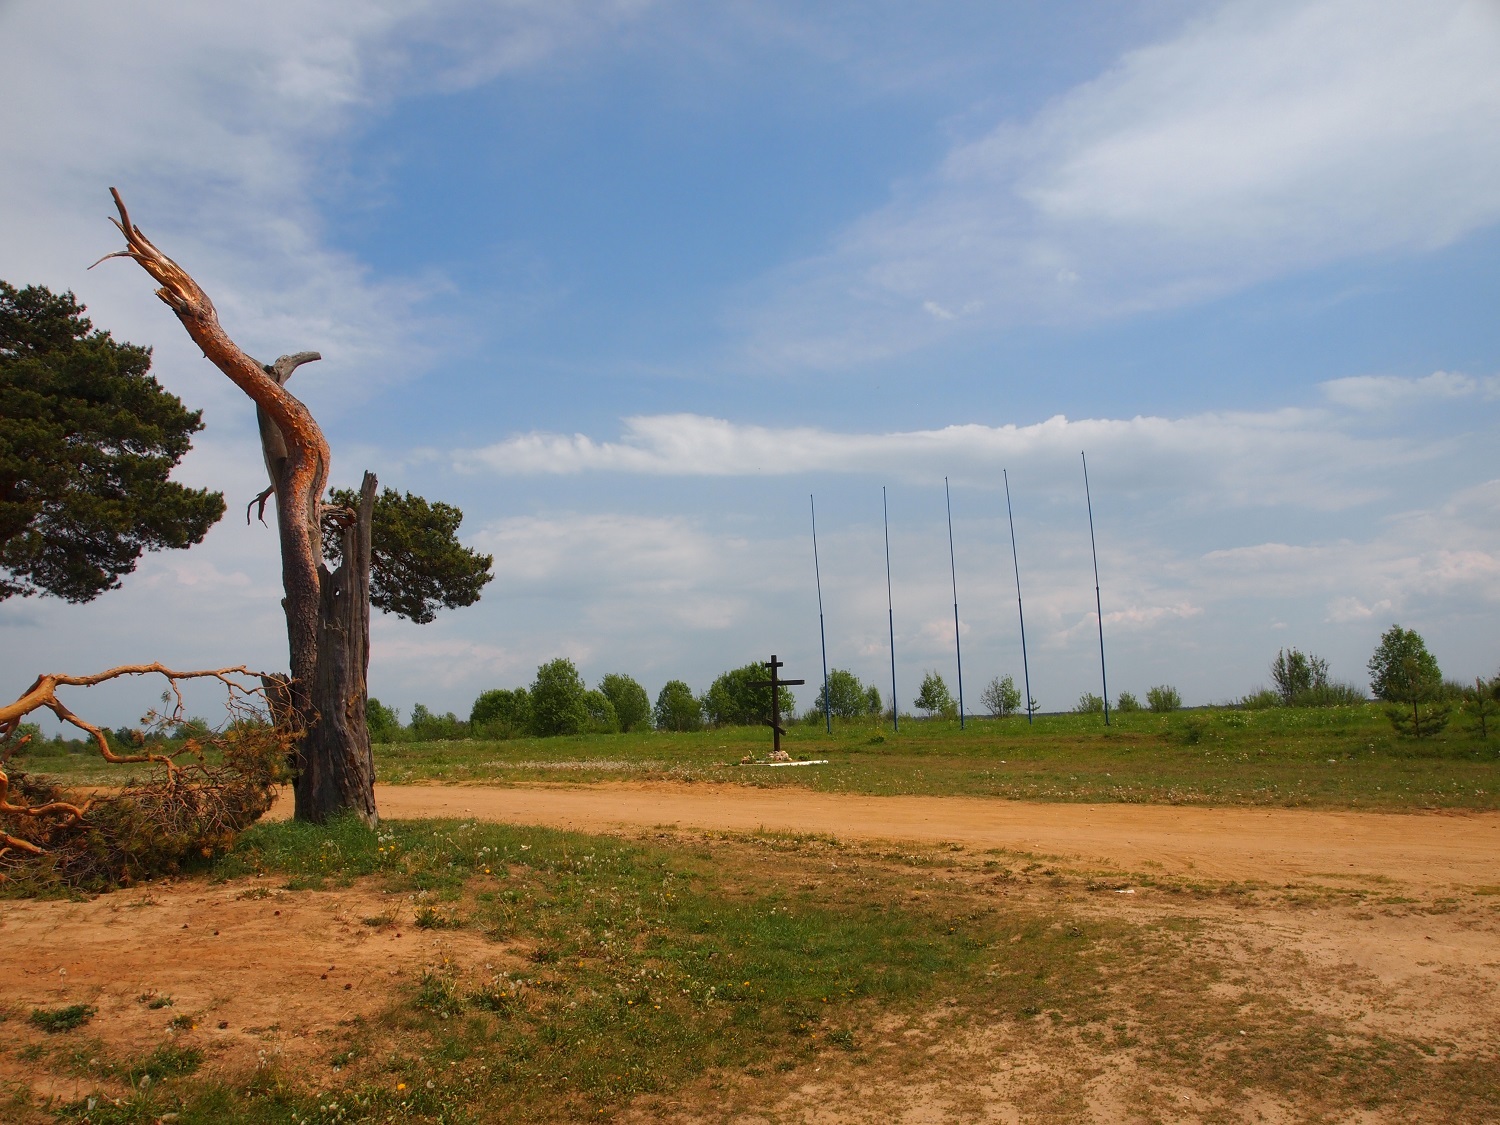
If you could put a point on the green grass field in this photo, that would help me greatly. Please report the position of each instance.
(705, 966)
(1336, 757)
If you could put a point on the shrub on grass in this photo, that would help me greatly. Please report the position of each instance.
(1163, 698)
(1295, 673)
(1001, 697)
(848, 698)
(1127, 702)
(1089, 704)
(934, 698)
(1330, 695)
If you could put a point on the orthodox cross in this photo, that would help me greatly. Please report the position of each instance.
(775, 683)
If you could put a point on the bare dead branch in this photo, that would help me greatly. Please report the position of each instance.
(171, 797)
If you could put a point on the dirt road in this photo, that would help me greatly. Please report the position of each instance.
(1268, 845)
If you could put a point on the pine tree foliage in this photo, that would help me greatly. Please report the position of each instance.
(88, 440)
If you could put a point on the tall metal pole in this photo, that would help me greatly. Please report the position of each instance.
(890, 612)
(822, 636)
(1098, 605)
(953, 570)
(1020, 613)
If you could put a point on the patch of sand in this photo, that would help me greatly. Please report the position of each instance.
(257, 978)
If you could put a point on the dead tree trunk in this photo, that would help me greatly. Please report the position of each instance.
(338, 769)
(334, 767)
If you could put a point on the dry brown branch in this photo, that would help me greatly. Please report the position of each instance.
(42, 694)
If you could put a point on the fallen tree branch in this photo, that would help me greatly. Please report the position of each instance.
(247, 703)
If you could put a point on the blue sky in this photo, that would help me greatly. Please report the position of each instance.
(628, 281)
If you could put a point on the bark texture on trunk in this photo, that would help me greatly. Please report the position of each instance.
(336, 755)
(338, 768)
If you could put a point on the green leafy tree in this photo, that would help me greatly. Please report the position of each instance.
(505, 712)
(1128, 702)
(873, 704)
(631, 703)
(733, 700)
(1404, 673)
(1001, 697)
(557, 703)
(677, 708)
(933, 697)
(1163, 698)
(87, 441)
(383, 723)
(601, 712)
(417, 564)
(848, 698)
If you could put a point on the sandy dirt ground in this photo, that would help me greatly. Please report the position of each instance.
(1458, 849)
(254, 971)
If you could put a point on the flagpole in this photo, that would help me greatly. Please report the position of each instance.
(953, 570)
(1098, 605)
(1020, 612)
(822, 635)
(890, 611)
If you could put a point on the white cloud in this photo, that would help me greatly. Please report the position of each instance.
(1239, 458)
(1267, 138)
(225, 127)
(1381, 392)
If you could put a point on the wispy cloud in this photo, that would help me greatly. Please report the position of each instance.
(1261, 140)
(226, 127)
(1381, 392)
(1240, 458)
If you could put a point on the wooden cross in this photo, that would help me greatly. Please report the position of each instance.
(775, 683)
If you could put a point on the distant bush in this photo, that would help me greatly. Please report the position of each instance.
(1330, 695)
(732, 700)
(501, 713)
(1296, 673)
(677, 708)
(934, 697)
(848, 698)
(1001, 696)
(1089, 704)
(1127, 702)
(631, 703)
(426, 726)
(1163, 698)
(383, 723)
(1262, 699)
